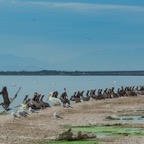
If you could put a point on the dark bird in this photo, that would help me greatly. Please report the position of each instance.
(6, 100)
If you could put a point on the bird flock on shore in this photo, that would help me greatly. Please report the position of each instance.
(36, 103)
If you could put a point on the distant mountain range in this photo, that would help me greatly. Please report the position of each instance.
(107, 60)
(100, 60)
(15, 63)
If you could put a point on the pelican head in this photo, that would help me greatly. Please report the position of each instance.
(50, 95)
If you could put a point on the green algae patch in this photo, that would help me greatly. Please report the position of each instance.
(111, 131)
(75, 142)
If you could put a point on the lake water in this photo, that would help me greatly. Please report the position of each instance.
(46, 84)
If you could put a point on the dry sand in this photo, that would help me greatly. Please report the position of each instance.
(37, 127)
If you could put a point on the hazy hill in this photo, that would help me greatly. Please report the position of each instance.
(15, 63)
(106, 60)
(99, 60)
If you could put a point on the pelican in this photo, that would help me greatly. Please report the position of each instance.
(6, 100)
(56, 101)
(21, 106)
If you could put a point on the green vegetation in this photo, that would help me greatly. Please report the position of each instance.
(74, 73)
(75, 142)
(104, 131)
(104, 134)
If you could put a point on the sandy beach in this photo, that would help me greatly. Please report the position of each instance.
(39, 127)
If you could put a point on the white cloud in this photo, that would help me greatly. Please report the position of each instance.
(87, 6)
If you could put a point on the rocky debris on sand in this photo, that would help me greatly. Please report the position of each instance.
(68, 135)
(127, 119)
(113, 117)
(81, 136)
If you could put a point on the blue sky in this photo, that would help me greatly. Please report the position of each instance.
(66, 31)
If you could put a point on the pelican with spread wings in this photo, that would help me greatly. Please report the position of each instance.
(7, 101)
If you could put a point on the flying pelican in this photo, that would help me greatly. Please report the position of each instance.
(56, 101)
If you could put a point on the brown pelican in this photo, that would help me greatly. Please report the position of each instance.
(35, 101)
(87, 97)
(7, 101)
(64, 98)
(26, 98)
(45, 104)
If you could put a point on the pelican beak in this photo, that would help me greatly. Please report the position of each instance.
(51, 93)
(48, 97)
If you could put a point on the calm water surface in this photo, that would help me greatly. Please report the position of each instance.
(46, 84)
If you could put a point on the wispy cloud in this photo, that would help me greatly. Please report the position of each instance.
(88, 6)
(13, 2)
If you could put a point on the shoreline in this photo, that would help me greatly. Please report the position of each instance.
(43, 125)
(72, 73)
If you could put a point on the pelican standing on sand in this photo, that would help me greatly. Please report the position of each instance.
(56, 101)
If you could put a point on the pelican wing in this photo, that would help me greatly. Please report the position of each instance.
(55, 100)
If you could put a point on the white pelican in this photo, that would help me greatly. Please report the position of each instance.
(21, 106)
(56, 101)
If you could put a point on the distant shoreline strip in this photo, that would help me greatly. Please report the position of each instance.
(71, 73)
